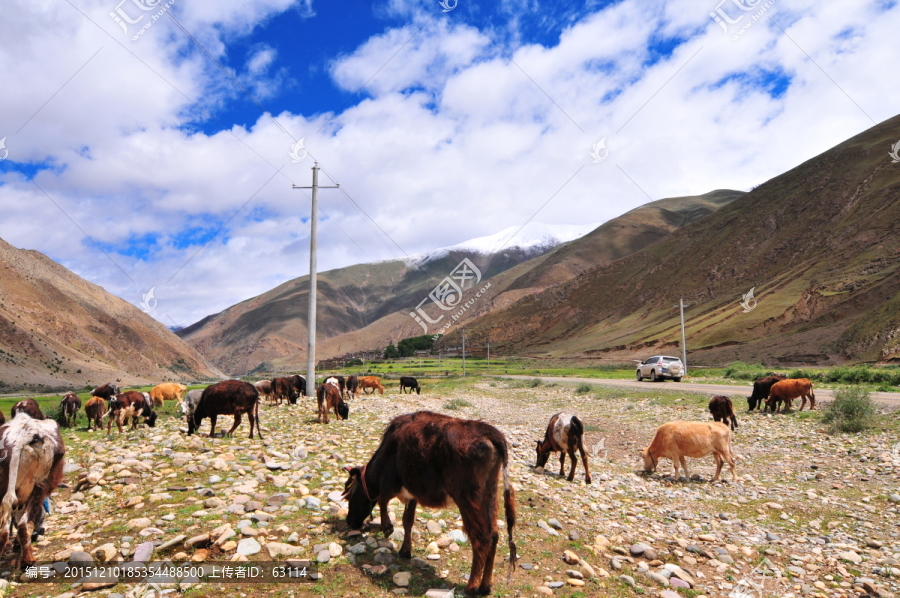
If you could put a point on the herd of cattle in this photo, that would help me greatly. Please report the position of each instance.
(424, 457)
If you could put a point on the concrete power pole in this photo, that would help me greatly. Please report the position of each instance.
(464, 351)
(683, 345)
(313, 242)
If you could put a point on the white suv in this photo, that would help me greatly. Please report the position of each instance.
(661, 367)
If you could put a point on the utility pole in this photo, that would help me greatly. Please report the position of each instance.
(489, 358)
(681, 306)
(313, 241)
(464, 351)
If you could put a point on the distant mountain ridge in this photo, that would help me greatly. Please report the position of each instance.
(367, 306)
(60, 331)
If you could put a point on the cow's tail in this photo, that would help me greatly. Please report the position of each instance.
(256, 415)
(10, 498)
(733, 416)
(577, 428)
(509, 508)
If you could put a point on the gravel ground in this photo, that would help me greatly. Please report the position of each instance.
(810, 515)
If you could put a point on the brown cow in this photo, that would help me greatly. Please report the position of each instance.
(370, 382)
(264, 388)
(231, 397)
(69, 406)
(677, 440)
(788, 390)
(32, 469)
(284, 388)
(167, 391)
(564, 434)
(723, 410)
(94, 410)
(761, 390)
(299, 385)
(339, 380)
(328, 397)
(29, 406)
(430, 458)
(131, 404)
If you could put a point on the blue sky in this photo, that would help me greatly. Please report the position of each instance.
(132, 146)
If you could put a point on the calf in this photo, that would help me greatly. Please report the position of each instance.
(33, 470)
(722, 410)
(189, 404)
(131, 404)
(787, 390)
(410, 383)
(284, 389)
(564, 434)
(168, 391)
(328, 397)
(430, 458)
(29, 406)
(231, 397)
(94, 410)
(264, 388)
(106, 391)
(352, 386)
(370, 382)
(677, 440)
(69, 407)
(761, 390)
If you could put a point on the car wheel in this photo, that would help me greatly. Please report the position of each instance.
(678, 379)
(639, 377)
(653, 376)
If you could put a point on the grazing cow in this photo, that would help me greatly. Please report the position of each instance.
(69, 406)
(761, 390)
(190, 401)
(94, 410)
(29, 406)
(32, 470)
(564, 434)
(264, 388)
(370, 382)
(677, 440)
(340, 381)
(410, 383)
(231, 397)
(167, 391)
(352, 386)
(722, 410)
(299, 384)
(328, 397)
(284, 388)
(131, 404)
(788, 390)
(106, 391)
(430, 458)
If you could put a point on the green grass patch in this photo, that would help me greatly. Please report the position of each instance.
(456, 404)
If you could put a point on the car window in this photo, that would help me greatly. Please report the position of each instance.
(670, 359)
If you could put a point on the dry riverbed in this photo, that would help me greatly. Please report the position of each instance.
(810, 515)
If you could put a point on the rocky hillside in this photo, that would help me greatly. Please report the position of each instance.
(820, 246)
(58, 330)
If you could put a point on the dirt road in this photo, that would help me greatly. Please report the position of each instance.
(891, 399)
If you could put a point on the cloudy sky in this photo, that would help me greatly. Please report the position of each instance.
(148, 144)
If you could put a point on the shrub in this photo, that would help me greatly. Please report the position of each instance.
(456, 404)
(583, 388)
(534, 382)
(851, 411)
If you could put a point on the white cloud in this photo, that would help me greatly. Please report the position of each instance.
(455, 141)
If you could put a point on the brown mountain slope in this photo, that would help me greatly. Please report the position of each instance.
(820, 244)
(58, 330)
(618, 237)
(271, 328)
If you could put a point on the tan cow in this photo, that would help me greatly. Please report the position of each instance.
(677, 440)
(373, 382)
(167, 391)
